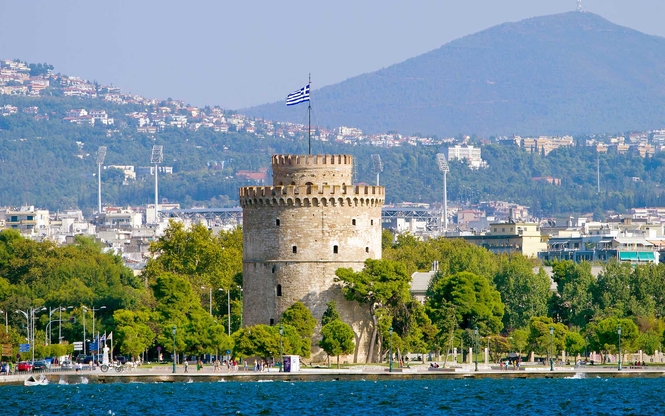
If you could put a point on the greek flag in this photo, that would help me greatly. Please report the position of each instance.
(299, 96)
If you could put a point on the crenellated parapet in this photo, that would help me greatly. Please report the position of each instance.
(312, 169)
(312, 195)
(309, 160)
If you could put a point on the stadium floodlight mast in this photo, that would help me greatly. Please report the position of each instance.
(101, 155)
(157, 158)
(442, 161)
(377, 166)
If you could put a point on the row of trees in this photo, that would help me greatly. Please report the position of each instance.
(510, 304)
(508, 299)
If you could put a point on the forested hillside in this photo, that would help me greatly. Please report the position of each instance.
(51, 164)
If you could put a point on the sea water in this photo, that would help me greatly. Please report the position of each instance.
(573, 396)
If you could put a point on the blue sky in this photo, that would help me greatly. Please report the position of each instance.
(244, 53)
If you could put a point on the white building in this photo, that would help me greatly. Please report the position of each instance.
(471, 154)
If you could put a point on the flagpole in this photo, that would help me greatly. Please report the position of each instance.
(309, 117)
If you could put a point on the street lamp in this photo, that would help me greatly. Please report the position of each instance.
(30, 318)
(391, 349)
(281, 353)
(619, 332)
(93, 309)
(551, 349)
(210, 302)
(173, 331)
(60, 324)
(475, 338)
(6, 321)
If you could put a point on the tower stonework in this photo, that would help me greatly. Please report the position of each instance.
(299, 231)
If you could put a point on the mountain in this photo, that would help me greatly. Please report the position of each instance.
(566, 73)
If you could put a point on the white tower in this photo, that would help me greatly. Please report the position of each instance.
(442, 161)
(157, 158)
(579, 6)
(101, 155)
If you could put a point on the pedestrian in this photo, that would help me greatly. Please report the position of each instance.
(186, 366)
(245, 363)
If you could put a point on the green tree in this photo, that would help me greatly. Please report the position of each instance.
(541, 341)
(382, 286)
(474, 301)
(337, 338)
(519, 340)
(574, 343)
(649, 342)
(605, 337)
(300, 317)
(133, 334)
(573, 303)
(524, 293)
(330, 314)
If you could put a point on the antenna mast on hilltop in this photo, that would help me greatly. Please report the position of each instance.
(579, 6)
(101, 154)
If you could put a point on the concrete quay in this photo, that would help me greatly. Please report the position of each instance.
(165, 374)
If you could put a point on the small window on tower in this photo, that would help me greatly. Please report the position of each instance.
(366, 249)
(272, 321)
(371, 222)
(279, 290)
(353, 221)
(335, 249)
(273, 269)
(295, 249)
(277, 222)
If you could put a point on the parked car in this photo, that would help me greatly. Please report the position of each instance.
(4, 369)
(87, 359)
(24, 366)
(40, 366)
(80, 358)
(66, 365)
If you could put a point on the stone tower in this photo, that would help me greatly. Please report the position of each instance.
(296, 233)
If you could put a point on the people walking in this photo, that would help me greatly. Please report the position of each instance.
(186, 366)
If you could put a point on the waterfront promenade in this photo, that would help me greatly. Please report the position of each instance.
(164, 374)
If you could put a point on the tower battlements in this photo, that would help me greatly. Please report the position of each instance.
(305, 160)
(312, 169)
(311, 195)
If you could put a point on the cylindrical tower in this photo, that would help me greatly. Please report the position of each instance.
(297, 233)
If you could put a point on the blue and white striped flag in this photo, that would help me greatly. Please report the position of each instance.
(299, 96)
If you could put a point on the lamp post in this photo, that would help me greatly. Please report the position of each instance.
(619, 363)
(6, 322)
(60, 326)
(93, 309)
(391, 350)
(173, 331)
(30, 318)
(586, 347)
(210, 301)
(281, 353)
(551, 341)
(475, 339)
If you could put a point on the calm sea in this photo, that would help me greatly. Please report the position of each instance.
(468, 397)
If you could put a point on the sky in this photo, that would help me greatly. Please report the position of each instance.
(237, 54)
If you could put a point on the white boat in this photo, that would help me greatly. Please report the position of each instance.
(32, 381)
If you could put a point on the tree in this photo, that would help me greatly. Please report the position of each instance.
(256, 340)
(649, 342)
(605, 337)
(132, 331)
(541, 341)
(574, 299)
(382, 285)
(330, 314)
(575, 343)
(524, 293)
(519, 340)
(300, 317)
(474, 301)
